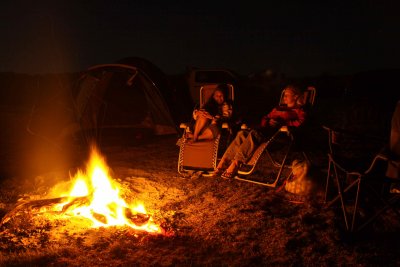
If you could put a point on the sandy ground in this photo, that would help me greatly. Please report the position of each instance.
(206, 221)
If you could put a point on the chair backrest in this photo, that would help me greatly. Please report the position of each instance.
(342, 142)
(206, 92)
(357, 148)
(307, 98)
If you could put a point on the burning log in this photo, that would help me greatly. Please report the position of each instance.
(31, 205)
(100, 217)
(138, 219)
(37, 206)
(76, 202)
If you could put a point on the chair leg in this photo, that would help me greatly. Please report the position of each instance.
(388, 203)
(356, 204)
(282, 165)
(341, 196)
(340, 192)
(328, 177)
(279, 175)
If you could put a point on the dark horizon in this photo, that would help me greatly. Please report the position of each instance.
(299, 39)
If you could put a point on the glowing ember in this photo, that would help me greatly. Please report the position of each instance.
(100, 202)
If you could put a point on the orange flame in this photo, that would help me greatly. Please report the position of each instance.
(105, 207)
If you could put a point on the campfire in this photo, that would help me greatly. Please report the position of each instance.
(93, 196)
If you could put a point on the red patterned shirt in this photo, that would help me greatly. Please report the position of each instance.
(285, 116)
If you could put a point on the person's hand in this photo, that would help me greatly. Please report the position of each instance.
(215, 119)
(264, 121)
(200, 113)
(273, 123)
(205, 114)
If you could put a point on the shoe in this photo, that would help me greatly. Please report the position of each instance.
(232, 174)
(196, 175)
(218, 172)
(228, 175)
(188, 174)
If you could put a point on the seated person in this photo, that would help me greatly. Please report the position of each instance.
(246, 142)
(209, 118)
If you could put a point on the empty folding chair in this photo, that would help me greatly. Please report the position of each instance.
(356, 178)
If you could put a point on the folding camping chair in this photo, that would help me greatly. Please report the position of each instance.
(290, 139)
(356, 179)
(202, 156)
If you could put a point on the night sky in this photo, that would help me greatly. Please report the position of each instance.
(293, 37)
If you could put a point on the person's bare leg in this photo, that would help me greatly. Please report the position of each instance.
(198, 127)
(207, 134)
(221, 167)
(231, 151)
(233, 167)
(222, 164)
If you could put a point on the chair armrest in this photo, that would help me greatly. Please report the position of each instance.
(244, 126)
(284, 129)
(354, 134)
(384, 155)
(387, 155)
(185, 127)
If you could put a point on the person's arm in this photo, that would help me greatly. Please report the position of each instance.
(203, 113)
(227, 110)
(270, 119)
(225, 113)
(298, 119)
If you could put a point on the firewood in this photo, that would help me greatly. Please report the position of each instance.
(35, 206)
(76, 202)
(100, 217)
(138, 219)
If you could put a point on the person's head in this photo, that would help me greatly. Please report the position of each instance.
(291, 95)
(219, 95)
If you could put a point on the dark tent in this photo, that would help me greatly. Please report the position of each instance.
(105, 99)
(121, 96)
